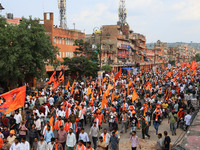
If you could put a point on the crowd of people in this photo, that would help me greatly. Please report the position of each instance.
(57, 119)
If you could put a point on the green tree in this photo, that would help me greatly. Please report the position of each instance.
(81, 66)
(106, 68)
(85, 49)
(24, 48)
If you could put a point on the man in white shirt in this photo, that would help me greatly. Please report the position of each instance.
(24, 144)
(51, 100)
(71, 140)
(83, 136)
(51, 144)
(106, 137)
(187, 120)
(16, 145)
(18, 119)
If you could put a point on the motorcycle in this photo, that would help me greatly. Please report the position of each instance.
(112, 123)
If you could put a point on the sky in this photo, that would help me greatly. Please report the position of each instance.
(165, 20)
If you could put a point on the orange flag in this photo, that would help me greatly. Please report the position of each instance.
(104, 101)
(9, 97)
(51, 122)
(18, 101)
(135, 96)
(73, 87)
(89, 91)
(118, 74)
(130, 83)
(104, 79)
(129, 72)
(52, 78)
(67, 86)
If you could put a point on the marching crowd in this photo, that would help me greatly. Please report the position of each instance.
(54, 119)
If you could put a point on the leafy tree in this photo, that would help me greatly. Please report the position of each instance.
(81, 66)
(24, 48)
(85, 49)
(106, 68)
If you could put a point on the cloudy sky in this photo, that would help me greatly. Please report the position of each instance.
(165, 20)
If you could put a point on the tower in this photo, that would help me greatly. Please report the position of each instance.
(62, 11)
(122, 13)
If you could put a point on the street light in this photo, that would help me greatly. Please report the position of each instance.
(98, 31)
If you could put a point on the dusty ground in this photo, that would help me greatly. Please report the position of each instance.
(147, 144)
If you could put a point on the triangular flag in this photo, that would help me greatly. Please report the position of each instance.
(118, 74)
(51, 122)
(18, 101)
(134, 96)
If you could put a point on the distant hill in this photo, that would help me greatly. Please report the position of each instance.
(194, 45)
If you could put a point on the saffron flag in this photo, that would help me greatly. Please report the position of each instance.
(18, 101)
(52, 78)
(134, 96)
(104, 101)
(51, 122)
(73, 87)
(61, 76)
(9, 97)
(67, 86)
(129, 72)
(89, 91)
(118, 74)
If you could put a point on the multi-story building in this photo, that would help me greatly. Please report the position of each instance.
(62, 38)
(181, 53)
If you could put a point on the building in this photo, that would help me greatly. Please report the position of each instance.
(11, 20)
(62, 38)
(157, 54)
(181, 53)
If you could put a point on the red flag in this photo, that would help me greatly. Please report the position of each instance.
(118, 74)
(52, 78)
(18, 101)
(10, 97)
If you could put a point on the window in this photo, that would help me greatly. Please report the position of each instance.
(66, 41)
(54, 39)
(60, 54)
(60, 41)
(63, 54)
(66, 54)
(57, 40)
(63, 41)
